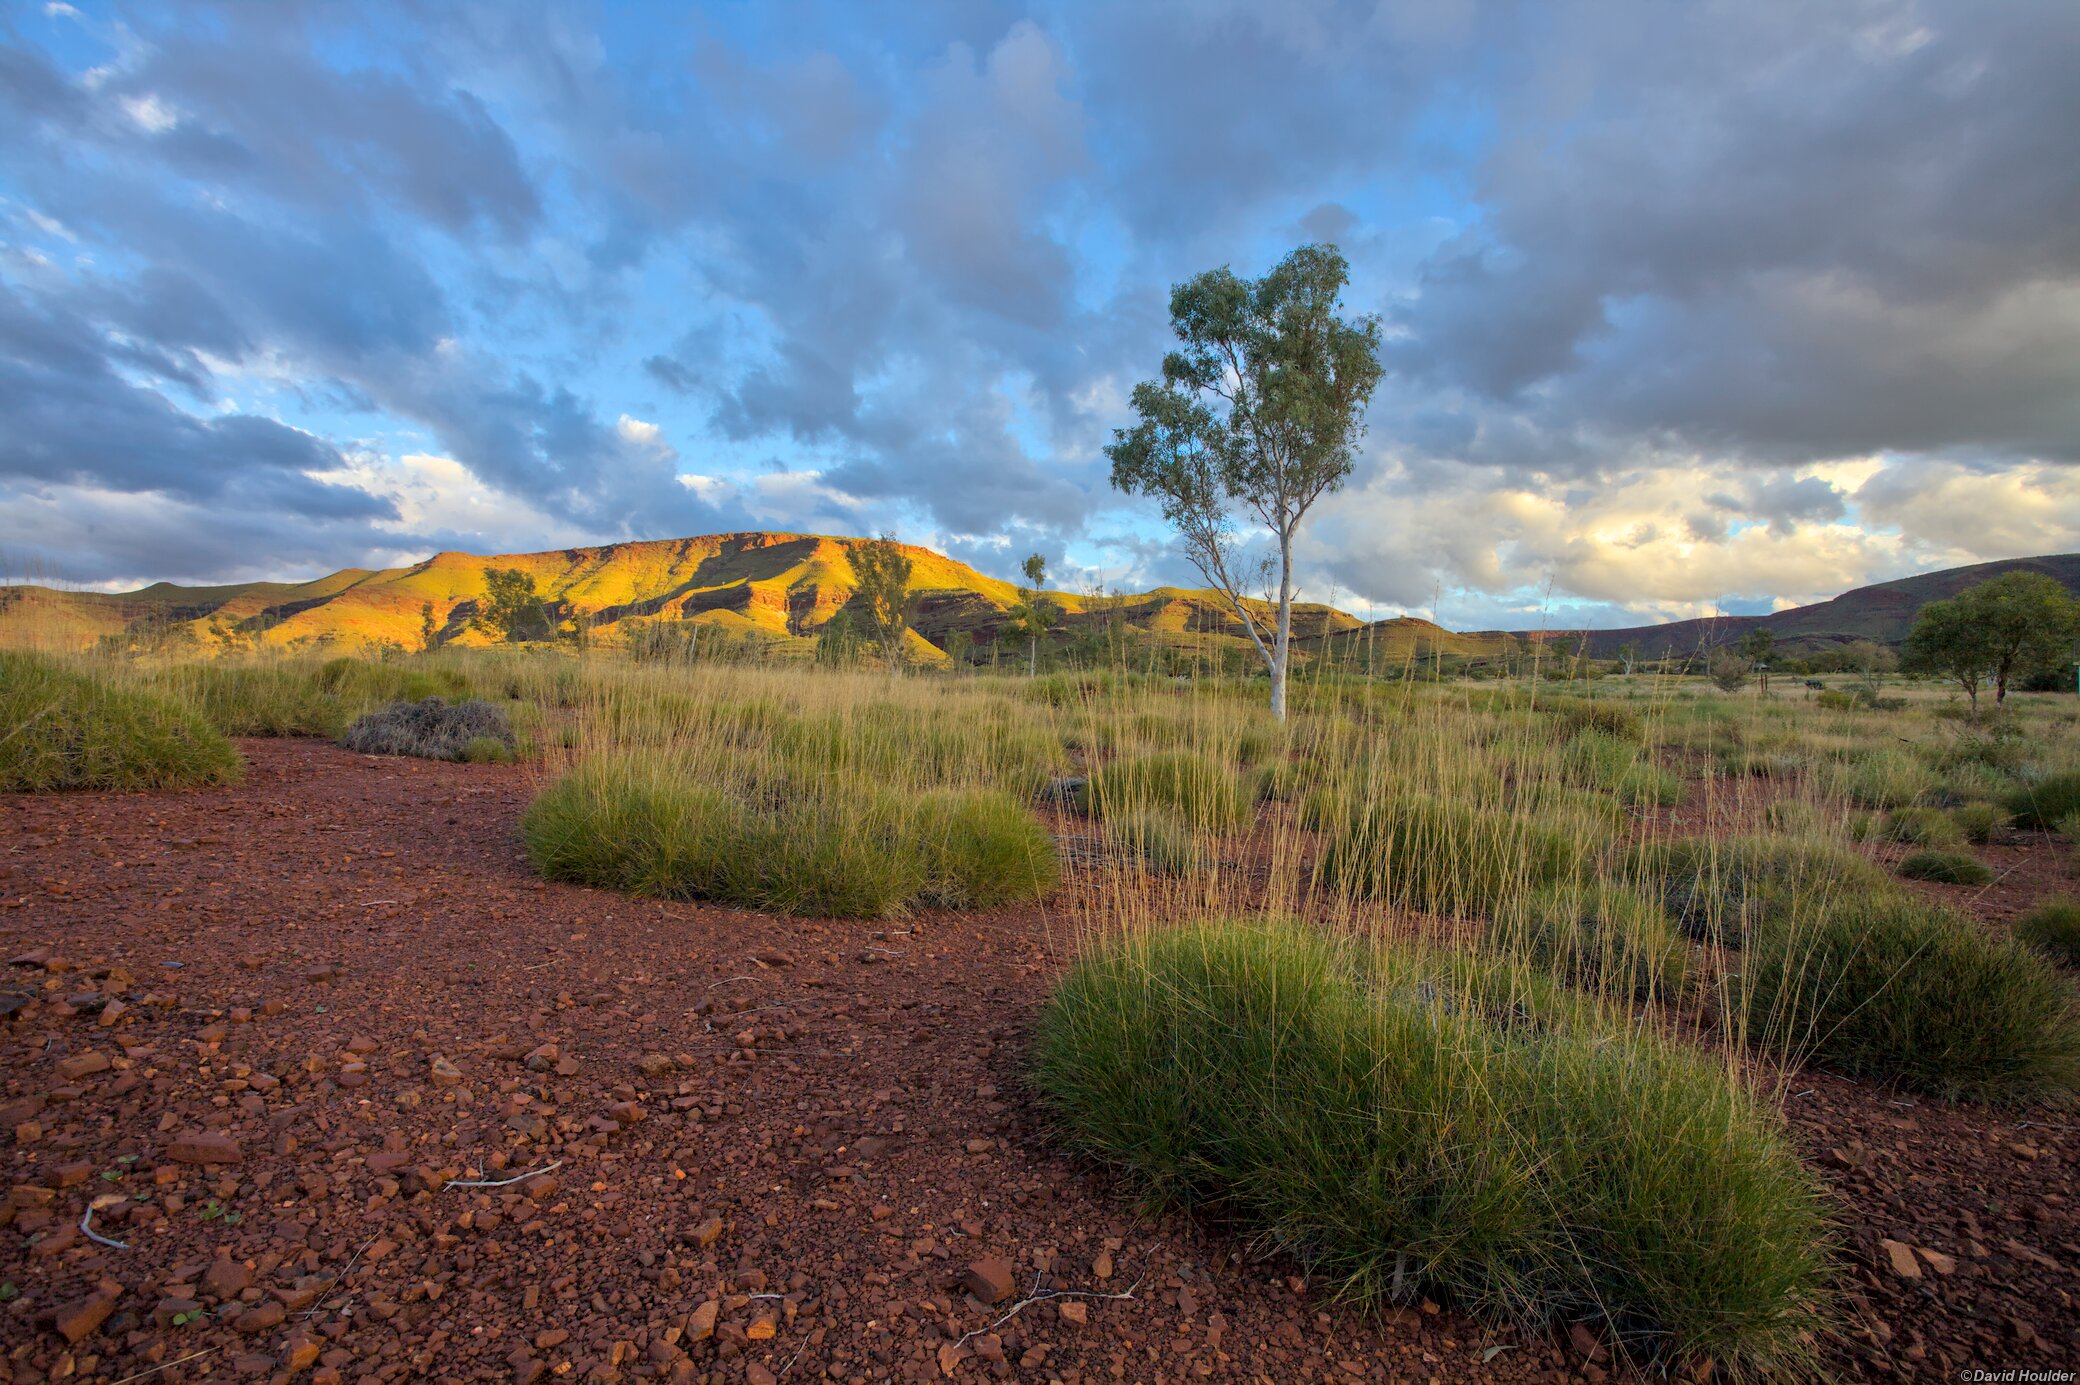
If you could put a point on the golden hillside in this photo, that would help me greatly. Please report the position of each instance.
(780, 586)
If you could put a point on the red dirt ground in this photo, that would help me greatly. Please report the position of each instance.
(836, 1132)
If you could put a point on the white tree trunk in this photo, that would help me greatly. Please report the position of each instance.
(1282, 647)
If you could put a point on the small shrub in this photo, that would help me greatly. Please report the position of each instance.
(1162, 841)
(829, 848)
(2053, 928)
(2043, 802)
(1981, 822)
(1370, 1112)
(1834, 700)
(1446, 857)
(1200, 788)
(1795, 817)
(62, 729)
(486, 750)
(1884, 779)
(1602, 718)
(1895, 987)
(1716, 888)
(1923, 827)
(1600, 936)
(431, 730)
(1945, 868)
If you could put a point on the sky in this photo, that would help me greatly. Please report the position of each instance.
(1687, 306)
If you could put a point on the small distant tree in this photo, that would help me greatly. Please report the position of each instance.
(512, 609)
(882, 572)
(1035, 614)
(2004, 626)
(1628, 655)
(958, 643)
(429, 633)
(1260, 409)
(838, 642)
(1728, 670)
(1756, 647)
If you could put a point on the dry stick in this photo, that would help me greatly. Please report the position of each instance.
(96, 1236)
(1026, 1303)
(499, 1182)
(167, 1365)
(352, 1261)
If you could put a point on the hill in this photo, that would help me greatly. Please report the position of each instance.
(780, 587)
(783, 588)
(1883, 612)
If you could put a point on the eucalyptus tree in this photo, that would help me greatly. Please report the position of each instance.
(1257, 415)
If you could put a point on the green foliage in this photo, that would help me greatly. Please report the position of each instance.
(1980, 823)
(881, 573)
(1572, 718)
(1884, 779)
(2004, 627)
(512, 609)
(1946, 868)
(829, 848)
(1893, 987)
(1601, 936)
(1923, 827)
(2053, 928)
(1411, 1126)
(1259, 410)
(1716, 887)
(1035, 614)
(1161, 840)
(1444, 856)
(433, 729)
(2044, 802)
(1199, 788)
(64, 729)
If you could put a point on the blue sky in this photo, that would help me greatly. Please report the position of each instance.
(1687, 306)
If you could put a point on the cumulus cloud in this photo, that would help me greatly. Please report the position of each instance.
(1686, 304)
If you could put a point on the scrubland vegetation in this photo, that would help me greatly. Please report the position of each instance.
(1476, 990)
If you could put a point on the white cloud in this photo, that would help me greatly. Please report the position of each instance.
(151, 114)
(637, 432)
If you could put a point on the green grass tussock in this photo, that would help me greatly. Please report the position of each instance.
(1601, 936)
(1161, 841)
(64, 729)
(1201, 789)
(2053, 928)
(1945, 867)
(1897, 988)
(1361, 1110)
(2044, 802)
(1446, 857)
(830, 848)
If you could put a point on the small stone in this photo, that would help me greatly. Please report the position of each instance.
(990, 1280)
(1902, 1257)
(205, 1147)
(755, 1374)
(1585, 1342)
(443, 1073)
(80, 1317)
(708, 1232)
(266, 1316)
(1101, 1265)
(1074, 1312)
(700, 1324)
(82, 1065)
(541, 1187)
(226, 1277)
(765, 1323)
(655, 1064)
(1937, 1261)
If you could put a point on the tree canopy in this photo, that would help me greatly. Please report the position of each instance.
(2003, 628)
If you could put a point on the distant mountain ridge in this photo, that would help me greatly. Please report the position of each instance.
(785, 587)
(1883, 612)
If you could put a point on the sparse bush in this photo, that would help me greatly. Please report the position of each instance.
(1201, 789)
(1796, 817)
(1884, 779)
(1600, 936)
(1894, 987)
(1923, 827)
(486, 750)
(1604, 718)
(1370, 1113)
(1945, 868)
(1717, 888)
(1446, 857)
(2053, 928)
(836, 848)
(433, 730)
(1981, 822)
(2042, 802)
(1162, 841)
(64, 729)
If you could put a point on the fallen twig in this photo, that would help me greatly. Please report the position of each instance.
(499, 1182)
(341, 1277)
(1025, 1303)
(96, 1236)
(167, 1365)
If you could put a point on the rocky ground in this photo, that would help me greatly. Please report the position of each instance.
(357, 1098)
